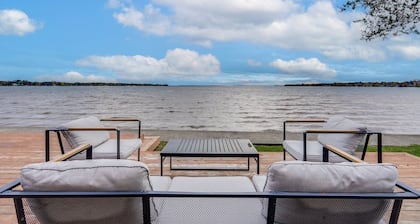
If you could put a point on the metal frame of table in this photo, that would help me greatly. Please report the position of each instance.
(229, 148)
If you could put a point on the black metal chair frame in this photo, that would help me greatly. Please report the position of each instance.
(17, 195)
(117, 131)
(320, 131)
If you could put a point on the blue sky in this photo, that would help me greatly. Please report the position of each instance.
(184, 42)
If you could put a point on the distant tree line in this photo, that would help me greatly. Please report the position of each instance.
(414, 83)
(54, 83)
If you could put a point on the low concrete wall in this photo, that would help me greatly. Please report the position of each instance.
(267, 137)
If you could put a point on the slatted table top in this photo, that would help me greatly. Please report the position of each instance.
(209, 147)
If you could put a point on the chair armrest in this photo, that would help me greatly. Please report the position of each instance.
(92, 129)
(341, 153)
(326, 131)
(120, 119)
(304, 121)
(84, 147)
(125, 119)
(299, 121)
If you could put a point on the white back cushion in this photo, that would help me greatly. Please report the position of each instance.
(88, 175)
(300, 176)
(345, 142)
(76, 138)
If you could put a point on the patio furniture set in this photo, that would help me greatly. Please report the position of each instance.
(78, 187)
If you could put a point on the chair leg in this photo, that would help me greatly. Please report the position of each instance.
(365, 146)
(20, 213)
(396, 208)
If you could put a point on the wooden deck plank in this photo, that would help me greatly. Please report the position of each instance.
(19, 149)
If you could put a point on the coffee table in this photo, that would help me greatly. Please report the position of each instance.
(209, 148)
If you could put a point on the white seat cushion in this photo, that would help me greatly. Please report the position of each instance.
(313, 151)
(211, 210)
(108, 149)
(76, 138)
(300, 176)
(345, 142)
(88, 175)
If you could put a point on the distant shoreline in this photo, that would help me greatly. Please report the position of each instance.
(54, 83)
(413, 83)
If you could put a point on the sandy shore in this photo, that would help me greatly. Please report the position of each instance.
(268, 137)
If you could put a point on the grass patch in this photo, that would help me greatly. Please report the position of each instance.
(412, 149)
(161, 145)
(269, 148)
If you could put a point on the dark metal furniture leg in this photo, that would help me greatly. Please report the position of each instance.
(258, 164)
(161, 165)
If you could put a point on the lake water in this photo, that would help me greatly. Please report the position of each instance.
(215, 108)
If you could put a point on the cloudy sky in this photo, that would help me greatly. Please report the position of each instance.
(185, 42)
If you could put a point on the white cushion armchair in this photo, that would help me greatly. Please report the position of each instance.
(90, 130)
(337, 131)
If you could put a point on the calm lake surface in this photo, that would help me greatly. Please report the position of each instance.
(214, 108)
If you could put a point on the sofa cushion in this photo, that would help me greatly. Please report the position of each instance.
(313, 151)
(76, 138)
(345, 142)
(259, 182)
(212, 210)
(88, 175)
(300, 176)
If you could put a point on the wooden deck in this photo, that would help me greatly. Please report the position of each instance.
(19, 149)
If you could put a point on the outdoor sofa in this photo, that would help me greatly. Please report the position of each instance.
(122, 191)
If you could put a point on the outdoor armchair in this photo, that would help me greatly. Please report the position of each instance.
(90, 130)
(337, 131)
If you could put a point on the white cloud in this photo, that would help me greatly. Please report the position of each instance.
(304, 67)
(73, 76)
(281, 23)
(177, 63)
(409, 51)
(360, 51)
(205, 21)
(150, 20)
(15, 22)
(115, 4)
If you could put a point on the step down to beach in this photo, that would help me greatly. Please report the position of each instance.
(150, 143)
